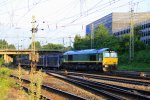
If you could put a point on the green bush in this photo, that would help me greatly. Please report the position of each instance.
(135, 67)
(5, 71)
(5, 82)
(143, 56)
(1, 61)
(141, 61)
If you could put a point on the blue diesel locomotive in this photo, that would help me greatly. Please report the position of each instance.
(91, 59)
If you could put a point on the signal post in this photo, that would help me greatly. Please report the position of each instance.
(34, 57)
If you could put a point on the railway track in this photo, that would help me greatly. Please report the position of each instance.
(110, 91)
(123, 74)
(42, 96)
(54, 90)
(132, 74)
(135, 82)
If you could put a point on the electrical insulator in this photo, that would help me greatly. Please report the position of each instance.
(34, 30)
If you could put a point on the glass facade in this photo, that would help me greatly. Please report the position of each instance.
(106, 21)
(144, 32)
(119, 24)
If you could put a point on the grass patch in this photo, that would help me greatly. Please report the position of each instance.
(1, 60)
(141, 61)
(135, 67)
(4, 71)
(5, 82)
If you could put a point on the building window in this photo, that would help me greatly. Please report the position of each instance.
(144, 34)
(121, 32)
(144, 42)
(149, 25)
(117, 33)
(148, 41)
(148, 33)
(146, 25)
(142, 26)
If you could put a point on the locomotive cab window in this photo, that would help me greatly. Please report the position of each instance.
(92, 57)
(109, 54)
(70, 57)
(106, 54)
(113, 55)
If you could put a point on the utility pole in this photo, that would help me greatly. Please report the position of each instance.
(131, 44)
(92, 36)
(34, 55)
(63, 42)
(33, 34)
(69, 41)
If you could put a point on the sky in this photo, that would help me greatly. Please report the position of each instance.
(58, 21)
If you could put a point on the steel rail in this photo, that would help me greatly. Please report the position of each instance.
(135, 82)
(100, 86)
(90, 87)
(52, 89)
(41, 96)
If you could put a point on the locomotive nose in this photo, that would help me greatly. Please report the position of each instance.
(110, 61)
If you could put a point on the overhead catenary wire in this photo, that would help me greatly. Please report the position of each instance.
(90, 13)
(66, 18)
(75, 21)
(71, 23)
(68, 25)
(77, 15)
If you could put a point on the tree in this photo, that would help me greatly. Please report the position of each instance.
(4, 45)
(124, 43)
(37, 45)
(139, 45)
(82, 43)
(137, 34)
(102, 39)
(51, 46)
(11, 46)
(101, 31)
(77, 42)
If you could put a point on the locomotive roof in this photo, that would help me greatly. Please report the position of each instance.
(87, 51)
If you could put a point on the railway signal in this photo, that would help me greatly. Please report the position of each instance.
(34, 56)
